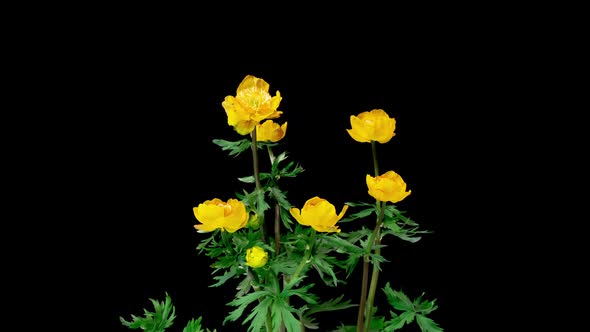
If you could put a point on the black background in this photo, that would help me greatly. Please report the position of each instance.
(136, 105)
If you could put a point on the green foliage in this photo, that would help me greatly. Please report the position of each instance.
(307, 312)
(156, 321)
(194, 325)
(161, 319)
(377, 325)
(361, 214)
(401, 226)
(234, 147)
(410, 311)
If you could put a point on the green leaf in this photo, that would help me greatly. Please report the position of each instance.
(397, 299)
(417, 309)
(286, 218)
(252, 179)
(291, 170)
(322, 266)
(157, 321)
(398, 321)
(194, 325)
(242, 302)
(330, 305)
(405, 230)
(225, 277)
(282, 312)
(427, 325)
(358, 215)
(258, 315)
(302, 292)
(261, 204)
(353, 204)
(279, 197)
(247, 179)
(346, 328)
(235, 147)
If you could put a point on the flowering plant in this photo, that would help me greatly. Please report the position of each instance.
(276, 250)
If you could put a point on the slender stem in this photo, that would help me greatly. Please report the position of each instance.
(277, 209)
(376, 240)
(259, 212)
(366, 303)
(277, 228)
(361, 313)
(375, 273)
(374, 152)
(254, 147)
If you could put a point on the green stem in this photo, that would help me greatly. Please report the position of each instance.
(375, 273)
(374, 152)
(361, 313)
(366, 302)
(277, 228)
(277, 210)
(259, 212)
(254, 147)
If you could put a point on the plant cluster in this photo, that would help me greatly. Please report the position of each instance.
(274, 251)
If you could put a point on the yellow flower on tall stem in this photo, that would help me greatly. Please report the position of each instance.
(217, 214)
(388, 187)
(269, 131)
(375, 125)
(319, 214)
(251, 104)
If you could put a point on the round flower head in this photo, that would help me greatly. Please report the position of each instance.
(228, 216)
(319, 214)
(388, 187)
(251, 104)
(270, 131)
(256, 257)
(375, 125)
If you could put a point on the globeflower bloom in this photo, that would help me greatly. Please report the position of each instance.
(228, 216)
(375, 125)
(319, 214)
(251, 104)
(256, 257)
(388, 187)
(270, 131)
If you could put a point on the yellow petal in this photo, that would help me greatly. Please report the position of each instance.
(357, 132)
(245, 127)
(296, 213)
(210, 216)
(344, 208)
(236, 216)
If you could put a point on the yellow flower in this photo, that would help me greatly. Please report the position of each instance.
(213, 214)
(388, 187)
(251, 105)
(256, 257)
(270, 131)
(319, 214)
(375, 125)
